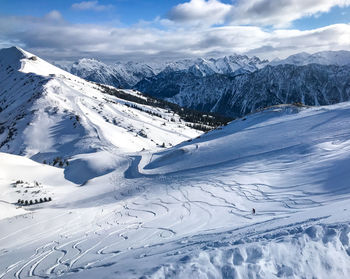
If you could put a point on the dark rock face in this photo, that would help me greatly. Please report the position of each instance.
(237, 95)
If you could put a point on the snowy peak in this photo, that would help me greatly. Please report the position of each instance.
(96, 71)
(118, 75)
(55, 117)
(230, 64)
(127, 75)
(225, 65)
(12, 57)
(132, 72)
(89, 64)
(339, 58)
(17, 59)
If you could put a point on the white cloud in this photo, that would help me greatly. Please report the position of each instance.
(54, 15)
(61, 40)
(279, 12)
(200, 12)
(90, 5)
(54, 38)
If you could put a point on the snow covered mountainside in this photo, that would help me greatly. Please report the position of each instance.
(312, 84)
(51, 116)
(186, 212)
(118, 75)
(127, 75)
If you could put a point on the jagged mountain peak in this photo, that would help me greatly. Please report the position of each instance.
(127, 75)
(87, 61)
(89, 64)
(243, 93)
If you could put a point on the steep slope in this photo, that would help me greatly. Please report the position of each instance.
(236, 96)
(99, 72)
(277, 131)
(186, 212)
(133, 72)
(118, 75)
(51, 116)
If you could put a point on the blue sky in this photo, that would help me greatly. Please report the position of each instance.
(127, 12)
(145, 29)
(334, 16)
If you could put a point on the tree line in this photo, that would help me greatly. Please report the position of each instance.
(200, 120)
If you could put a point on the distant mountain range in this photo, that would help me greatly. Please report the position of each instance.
(127, 75)
(237, 96)
(233, 85)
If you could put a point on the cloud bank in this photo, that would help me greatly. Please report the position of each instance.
(227, 29)
(278, 13)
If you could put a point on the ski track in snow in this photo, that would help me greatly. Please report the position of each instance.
(182, 200)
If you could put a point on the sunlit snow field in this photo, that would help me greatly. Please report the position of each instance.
(186, 211)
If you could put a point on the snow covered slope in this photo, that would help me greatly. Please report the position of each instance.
(52, 116)
(186, 212)
(118, 75)
(142, 211)
(96, 71)
(22, 178)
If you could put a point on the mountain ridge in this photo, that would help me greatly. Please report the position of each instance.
(52, 116)
(235, 96)
(218, 85)
(127, 75)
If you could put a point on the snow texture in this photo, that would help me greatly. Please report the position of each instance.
(181, 212)
(49, 115)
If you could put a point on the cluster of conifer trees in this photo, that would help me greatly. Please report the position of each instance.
(36, 201)
(202, 120)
